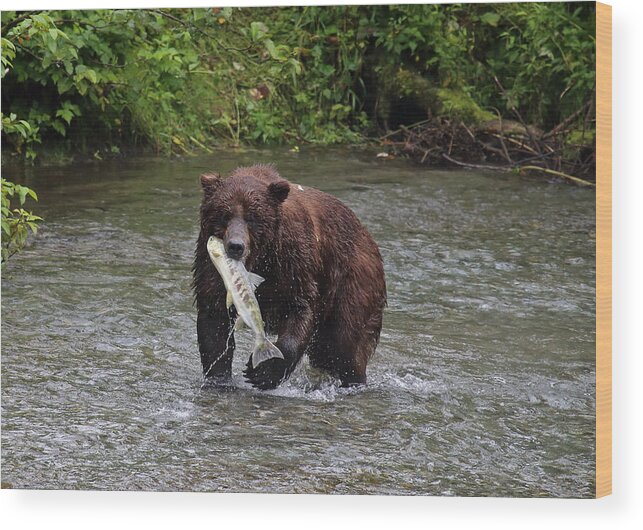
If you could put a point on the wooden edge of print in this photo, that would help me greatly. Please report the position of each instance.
(603, 250)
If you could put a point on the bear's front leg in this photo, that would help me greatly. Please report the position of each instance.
(216, 343)
(294, 332)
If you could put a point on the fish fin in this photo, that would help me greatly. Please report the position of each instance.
(255, 280)
(263, 351)
(239, 324)
(228, 300)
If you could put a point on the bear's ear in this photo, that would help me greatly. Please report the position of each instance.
(210, 182)
(279, 190)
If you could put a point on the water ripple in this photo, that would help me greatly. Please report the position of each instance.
(483, 383)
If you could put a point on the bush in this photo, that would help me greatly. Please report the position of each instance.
(16, 222)
(178, 79)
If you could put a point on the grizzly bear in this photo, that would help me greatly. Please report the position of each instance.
(324, 290)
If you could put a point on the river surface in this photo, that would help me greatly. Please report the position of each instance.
(483, 383)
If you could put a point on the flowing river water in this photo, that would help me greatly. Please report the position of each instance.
(483, 383)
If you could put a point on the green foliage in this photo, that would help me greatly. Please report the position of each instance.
(545, 58)
(542, 55)
(16, 221)
(21, 135)
(105, 81)
(459, 104)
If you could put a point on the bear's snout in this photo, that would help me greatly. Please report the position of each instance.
(236, 240)
(235, 248)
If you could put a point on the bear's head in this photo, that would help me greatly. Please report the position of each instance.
(243, 211)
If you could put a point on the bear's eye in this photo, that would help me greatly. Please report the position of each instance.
(223, 220)
(251, 219)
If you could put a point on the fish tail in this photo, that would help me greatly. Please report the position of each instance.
(264, 350)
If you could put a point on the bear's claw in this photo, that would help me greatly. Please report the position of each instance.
(266, 375)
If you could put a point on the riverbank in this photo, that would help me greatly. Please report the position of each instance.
(498, 145)
(111, 83)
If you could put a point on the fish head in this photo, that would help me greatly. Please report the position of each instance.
(215, 247)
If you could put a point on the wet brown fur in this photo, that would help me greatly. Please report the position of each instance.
(324, 290)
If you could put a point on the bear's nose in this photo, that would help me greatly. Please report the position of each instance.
(235, 249)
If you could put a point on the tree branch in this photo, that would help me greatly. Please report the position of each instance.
(17, 21)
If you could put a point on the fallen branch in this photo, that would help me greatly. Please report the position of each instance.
(517, 114)
(403, 128)
(506, 169)
(440, 141)
(474, 166)
(577, 180)
(562, 126)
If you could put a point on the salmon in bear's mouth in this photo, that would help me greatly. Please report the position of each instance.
(240, 286)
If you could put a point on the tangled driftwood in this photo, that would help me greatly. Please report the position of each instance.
(504, 145)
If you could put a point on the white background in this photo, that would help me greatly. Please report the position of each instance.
(60, 509)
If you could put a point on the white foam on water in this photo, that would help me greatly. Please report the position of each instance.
(178, 411)
(313, 385)
(412, 384)
(305, 383)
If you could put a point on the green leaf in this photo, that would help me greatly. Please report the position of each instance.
(39, 19)
(91, 75)
(82, 86)
(296, 64)
(65, 114)
(65, 84)
(272, 50)
(59, 127)
(490, 18)
(257, 30)
(22, 193)
(52, 45)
